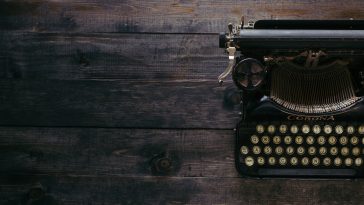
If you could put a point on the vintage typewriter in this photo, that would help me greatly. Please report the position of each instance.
(301, 85)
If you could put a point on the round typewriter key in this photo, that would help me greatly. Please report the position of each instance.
(354, 140)
(288, 139)
(283, 129)
(322, 150)
(327, 129)
(294, 161)
(350, 130)
(339, 129)
(343, 140)
(315, 161)
(267, 150)
(348, 161)
(311, 150)
(254, 139)
(276, 139)
(244, 150)
(337, 161)
(300, 150)
(272, 160)
(361, 129)
(305, 129)
(316, 129)
(294, 129)
(327, 161)
(321, 140)
(282, 161)
(249, 161)
(256, 150)
(344, 151)
(358, 161)
(332, 140)
(265, 139)
(260, 160)
(305, 161)
(299, 140)
(310, 140)
(260, 129)
(290, 150)
(271, 129)
(279, 150)
(356, 151)
(333, 150)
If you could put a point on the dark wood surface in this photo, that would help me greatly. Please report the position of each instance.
(94, 94)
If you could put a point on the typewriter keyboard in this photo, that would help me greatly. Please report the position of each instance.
(302, 150)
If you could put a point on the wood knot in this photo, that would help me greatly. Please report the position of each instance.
(161, 164)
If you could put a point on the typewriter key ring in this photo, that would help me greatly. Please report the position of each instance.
(249, 74)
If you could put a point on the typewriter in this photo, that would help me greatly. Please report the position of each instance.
(301, 84)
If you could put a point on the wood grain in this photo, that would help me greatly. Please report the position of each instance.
(168, 16)
(110, 56)
(118, 103)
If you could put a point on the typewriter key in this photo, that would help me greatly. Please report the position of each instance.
(344, 151)
(343, 140)
(260, 129)
(267, 150)
(283, 129)
(321, 140)
(327, 129)
(354, 140)
(333, 150)
(322, 150)
(337, 161)
(361, 129)
(348, 161)
(299, 140)
(332, 140)
(256, 150)
(276, 139)
(254, 139)
(282, 161)
(305, 129)
(350, 130)
(244, 150)
(271, 129)
(294, 129)
(272, 160)
(265, 139)
(356, 151)
(316, 129)
(294, 161)
(290, 150)
(327, 161)
(358, 161)
(310, 140)
(260, 160)
(300, 150)
(249, 161)
(305, 161)
(315, 161)
(311, 150)
(339, 129)
(288, 139)
(279, 150)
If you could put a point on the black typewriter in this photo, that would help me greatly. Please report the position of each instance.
(302, 86)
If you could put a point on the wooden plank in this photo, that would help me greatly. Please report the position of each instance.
(116, 152)
(118, 103)
(80, 190)
(167, 17)
(110, 56)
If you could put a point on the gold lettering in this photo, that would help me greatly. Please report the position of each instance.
(310, 118)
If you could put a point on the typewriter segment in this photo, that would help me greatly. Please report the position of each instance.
(301, 86)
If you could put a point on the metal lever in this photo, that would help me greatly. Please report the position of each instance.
(229, 68)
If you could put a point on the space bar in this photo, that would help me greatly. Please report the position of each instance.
(306, 172)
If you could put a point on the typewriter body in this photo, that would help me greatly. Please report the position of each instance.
(301, 86)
